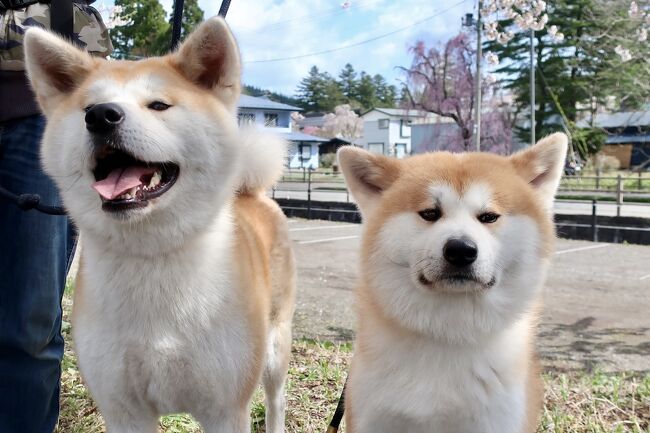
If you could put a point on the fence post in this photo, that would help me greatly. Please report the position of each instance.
(640, 186)
(309, 194)
(273, 192)
(594, 227)
(303, 174)
(619, 195)
(598, 178)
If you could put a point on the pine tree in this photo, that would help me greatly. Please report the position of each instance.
(367, 92)
(311, 90)
(332, 95)
(348, 82)
(385, 93)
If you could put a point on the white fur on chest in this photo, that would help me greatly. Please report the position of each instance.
(417, 385)
(154, 330)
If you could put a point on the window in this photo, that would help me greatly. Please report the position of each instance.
(376, 148)
(246, 119)
(305, 151)
(270, 120)
(405, 128)
(383, 123)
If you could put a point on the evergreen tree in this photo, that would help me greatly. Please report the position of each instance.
(384, 93)
(311, 90)
(367, 92)
(348, 82)
(192, 16)
(320, 92)
(573, 76)
(145, 25)
(332, 95)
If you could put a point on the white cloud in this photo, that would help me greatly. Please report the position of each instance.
(268, 29)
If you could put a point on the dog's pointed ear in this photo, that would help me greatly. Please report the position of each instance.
(542, 165)
(55, 67)
(210, 58)
(367, 175)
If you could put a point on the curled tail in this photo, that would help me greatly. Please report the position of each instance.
(263, 158)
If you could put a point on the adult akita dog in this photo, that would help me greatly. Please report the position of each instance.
(184, 297)
(455, 251)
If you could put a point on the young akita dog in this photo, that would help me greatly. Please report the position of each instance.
(454, 255)
(184, 297)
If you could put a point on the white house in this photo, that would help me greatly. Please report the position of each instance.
(388, 130)
(275, 116)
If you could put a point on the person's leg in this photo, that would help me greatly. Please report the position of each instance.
(34, 256)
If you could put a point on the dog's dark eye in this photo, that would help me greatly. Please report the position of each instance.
(488, 217)
(430, 215)
(158, 106)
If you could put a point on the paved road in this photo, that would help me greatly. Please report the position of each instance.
(596, 299)
(562, 207)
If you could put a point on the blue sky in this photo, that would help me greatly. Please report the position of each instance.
(271, 29)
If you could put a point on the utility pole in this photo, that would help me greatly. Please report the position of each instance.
(479, 55)
(468, 21)
(532, 87)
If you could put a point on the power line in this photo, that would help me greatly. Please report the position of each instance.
(356, 44)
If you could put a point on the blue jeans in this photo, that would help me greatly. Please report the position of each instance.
(35, 253)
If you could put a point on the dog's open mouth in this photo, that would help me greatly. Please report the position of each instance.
(125, 182)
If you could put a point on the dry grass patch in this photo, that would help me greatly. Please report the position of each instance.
(576, 402)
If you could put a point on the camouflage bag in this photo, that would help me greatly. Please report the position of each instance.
(89, 31)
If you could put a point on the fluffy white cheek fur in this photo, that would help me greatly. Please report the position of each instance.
(510, 252)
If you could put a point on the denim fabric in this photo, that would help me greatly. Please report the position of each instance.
(35, 253)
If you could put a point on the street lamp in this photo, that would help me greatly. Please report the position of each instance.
(468, 21)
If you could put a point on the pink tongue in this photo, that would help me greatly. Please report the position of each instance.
(121, 180)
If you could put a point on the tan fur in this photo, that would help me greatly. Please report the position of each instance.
(385, 188)
(265, 266)
(195, 293)
(408, 191)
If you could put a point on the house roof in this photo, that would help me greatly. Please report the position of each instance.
(299, 136)
(318, 121)
(619, 120)
(247, 101)
(399, 112)
(619, 139)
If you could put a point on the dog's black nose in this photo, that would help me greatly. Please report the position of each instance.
(103, 118)
(460, 252)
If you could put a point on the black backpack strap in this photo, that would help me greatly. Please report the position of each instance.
(62, 18)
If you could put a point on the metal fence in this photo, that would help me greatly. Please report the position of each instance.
(631, 183)
(634, 188)
(590, 205)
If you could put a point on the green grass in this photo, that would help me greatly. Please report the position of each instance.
(575, 402)
(601, 198)
(630, 182)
